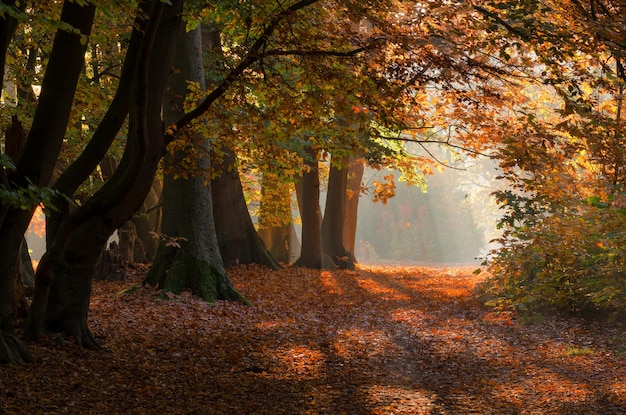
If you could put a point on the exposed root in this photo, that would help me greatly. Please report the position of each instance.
(12, 350)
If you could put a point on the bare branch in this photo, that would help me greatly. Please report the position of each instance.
(320, 52)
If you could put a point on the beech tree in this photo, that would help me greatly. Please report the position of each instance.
(189, 256)
(62, 303)
(238, 239)
(563, 239)
(36, 163)
(404, 66)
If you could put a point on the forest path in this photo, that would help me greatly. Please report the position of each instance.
(379, 340)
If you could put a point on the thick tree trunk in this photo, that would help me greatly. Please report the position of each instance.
(276, 227)
(69, 294)
(122, 195)
(311, 214)
(239, 241)
(189, 258)
(353, 195)
(44, 141)
(334, 214)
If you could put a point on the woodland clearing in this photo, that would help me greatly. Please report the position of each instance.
(379, 340)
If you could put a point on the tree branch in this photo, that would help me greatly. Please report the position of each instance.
(447, 143)
(320, 52)
(521, 34)
(252, 56)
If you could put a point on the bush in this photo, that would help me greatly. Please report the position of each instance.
(572, 260)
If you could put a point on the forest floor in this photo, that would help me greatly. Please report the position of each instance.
(379, 340)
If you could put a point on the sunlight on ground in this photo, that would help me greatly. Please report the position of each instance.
(390, 399)
(302, 362)
(554, 384)
(330, 283)
(329, 342)
(366, 343)
(387, 293)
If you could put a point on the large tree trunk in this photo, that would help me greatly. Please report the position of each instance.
(311, 214)
(334, 214)
(189, 257)
(353, 195)
(276, 226)
(70, 291)
(239, 241)
(88, 228)
(44, 141)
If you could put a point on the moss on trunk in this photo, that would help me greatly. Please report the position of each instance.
(175, 270)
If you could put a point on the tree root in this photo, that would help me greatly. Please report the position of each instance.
(12, 350)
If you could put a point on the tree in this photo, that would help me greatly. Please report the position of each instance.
(238, 239)
(62, 303)
(43, 144)
(189, 256)
(309, 202)
(332, 227)
(356, 168)
(276, 226)
(563, 233)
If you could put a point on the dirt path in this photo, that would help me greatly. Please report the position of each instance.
(377, 341)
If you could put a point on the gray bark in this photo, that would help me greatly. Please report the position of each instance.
(189, 257)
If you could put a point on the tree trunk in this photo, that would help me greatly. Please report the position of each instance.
(148, 220)
(311, 254)
(84, 232)
(239, 241)
(353, 195)
(145, 222)
(189, 257)
(45, 138)
(334, 214)
(276, 227)
(69, 294)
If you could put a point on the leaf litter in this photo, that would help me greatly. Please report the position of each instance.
(379, 340)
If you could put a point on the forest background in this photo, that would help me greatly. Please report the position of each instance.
(155, 123)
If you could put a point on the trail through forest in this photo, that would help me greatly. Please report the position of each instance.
(380, 340)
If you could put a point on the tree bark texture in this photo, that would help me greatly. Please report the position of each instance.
(311, 214)
(334, 214)
(91, 225)
(238, 239)
(189, 257)
(44, 141)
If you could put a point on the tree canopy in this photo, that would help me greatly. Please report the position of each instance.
(536, 85)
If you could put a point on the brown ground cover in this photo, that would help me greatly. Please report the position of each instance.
(381, 340)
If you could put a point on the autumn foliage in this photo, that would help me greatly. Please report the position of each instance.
(379, 340)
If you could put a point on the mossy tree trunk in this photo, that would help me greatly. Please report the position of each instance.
(188, 257)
